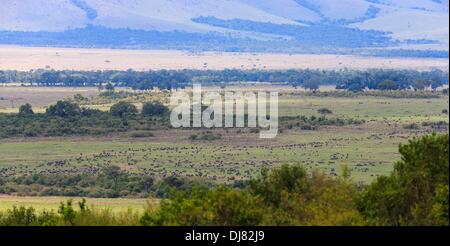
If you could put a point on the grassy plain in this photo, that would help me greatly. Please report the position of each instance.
(369, 149)
(52, 203)
(11, 97)
(27, 58)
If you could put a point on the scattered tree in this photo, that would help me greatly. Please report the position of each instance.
(64, 109)
(123, 109)
(154, 108)
(25, 110)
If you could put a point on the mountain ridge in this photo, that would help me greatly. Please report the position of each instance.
(409, 24)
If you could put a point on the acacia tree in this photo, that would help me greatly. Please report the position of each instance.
(25, 110)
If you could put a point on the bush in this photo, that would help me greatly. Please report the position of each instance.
(324, 111)
(64, 109)
(25, 110)
(68, 215)
(220, 207)
(412, 126)
(154, 108)
(109, 87)
(413, 193)
(387, 85)
(285, 196)
(123, 109)
(205, 136)
(141, 134)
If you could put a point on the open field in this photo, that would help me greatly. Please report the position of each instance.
(27, 58)
(398, 110)
(12, 97)
(291, 102)
(52, 203)
(370, 149)
(235, 157)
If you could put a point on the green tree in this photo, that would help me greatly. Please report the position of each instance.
(67, 212)
(221, 206)
(147, 183)
(286, 179)
(439, 211)
(312, 84)
(64, 109)
(295, 197)
(123, 109)
(114, 176)
(109, 86)
(25, 110)
(48, 78)
(387, 85)
(421, 84)
(412, 194)
(154, 108)
(324, 111)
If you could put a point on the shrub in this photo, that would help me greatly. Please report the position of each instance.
(324, 111)
(412, 126)
(220, 207)
(154, 108)
(141, 134)
(25, 110)
(80, 98)
(123, 109)
(387, 85)
(64, 109)
(109, 87)
(413, 193)
(205, 136)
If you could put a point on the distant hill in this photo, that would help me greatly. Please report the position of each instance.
(405, 27)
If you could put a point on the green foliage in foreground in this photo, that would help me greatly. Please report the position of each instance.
(68, 215)
(286, 196)
(416, 193)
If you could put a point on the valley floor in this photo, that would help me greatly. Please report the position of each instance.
(27, 58)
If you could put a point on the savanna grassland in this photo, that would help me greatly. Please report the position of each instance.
(369, 148)
(358, 134)
(27, 58)
(50, 203)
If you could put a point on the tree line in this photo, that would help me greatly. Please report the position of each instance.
(105, 182)
(68, 118)
(353, 80)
